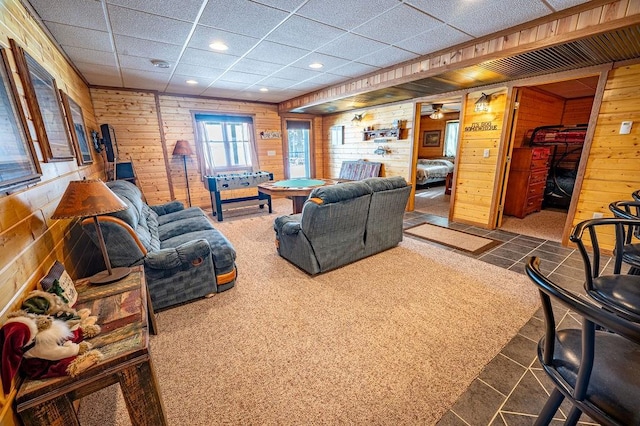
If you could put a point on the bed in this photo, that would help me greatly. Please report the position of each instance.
(430, 170)
(566, 144)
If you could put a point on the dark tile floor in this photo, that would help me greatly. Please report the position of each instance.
(512, 389)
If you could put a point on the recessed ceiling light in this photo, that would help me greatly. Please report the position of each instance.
(316, 65)
(191, 82)
(160, 63)
(264, 89)
(218, 45)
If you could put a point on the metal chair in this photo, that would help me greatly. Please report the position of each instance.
(596, 370)
(618, 293)
(636, 195)
(631, 249)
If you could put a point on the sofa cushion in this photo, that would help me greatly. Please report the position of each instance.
(180, 214)
(132, 197)
(384, 184)
(224, 255)
(340, 192)
(183, 226)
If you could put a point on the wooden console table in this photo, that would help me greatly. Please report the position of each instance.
(123, 309)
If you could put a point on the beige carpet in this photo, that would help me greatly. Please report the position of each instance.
(392, 339)
(545, 224)
(452, 238)
(433, 201)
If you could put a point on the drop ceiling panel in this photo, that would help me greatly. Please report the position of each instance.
(243, 17)
(69, 35)
(207, 58)
(241, 77)
(238, 44)
(397, 24)
(345, 14)
(286, 5)
(564, 4)
(178, 85)
(78, 54)
(276, 82)
(186, 10)
(494, 16)
(256, 67)
(351, 46)
(101, 79)
(276, 53)
(294, 74)
(147, 48)
(328, 62)
(148, 27)
(140, 63)
(197, 71)
(216, 92)
(433, 40)
(315, 33)
(386, 57)
(80, 13)
(354, 69)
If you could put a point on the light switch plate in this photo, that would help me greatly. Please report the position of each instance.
(486, 153)
(625, 127)
(271, 153)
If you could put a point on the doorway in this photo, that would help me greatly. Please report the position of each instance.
(438, 130)
(548, 131)
(298, 151)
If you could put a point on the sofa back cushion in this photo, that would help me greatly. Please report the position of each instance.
(335, 223)
(386, 213)
(132, 197)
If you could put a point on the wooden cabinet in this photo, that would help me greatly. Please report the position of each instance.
(527, 181)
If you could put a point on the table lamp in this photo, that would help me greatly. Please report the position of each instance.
(85, 198)
(183, 149)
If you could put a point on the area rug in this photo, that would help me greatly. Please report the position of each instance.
(452, 238)
(393, 339)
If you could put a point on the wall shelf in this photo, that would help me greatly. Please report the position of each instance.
(382, 133)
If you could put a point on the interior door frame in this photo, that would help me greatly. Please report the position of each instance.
(285, 142)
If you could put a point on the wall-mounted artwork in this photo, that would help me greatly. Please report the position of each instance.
(431, 138)
(44, 103)
(18, 163)
(75, 121)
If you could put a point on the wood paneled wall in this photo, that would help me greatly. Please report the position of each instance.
(31, 241)
(476, 175)
(613, 167)
(536, 108)
(577, 111)
(177, 123)
(395, 163)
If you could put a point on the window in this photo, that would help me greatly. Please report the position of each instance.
(227, 143)
(451, 138)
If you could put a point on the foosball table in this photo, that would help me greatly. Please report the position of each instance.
(228, 181)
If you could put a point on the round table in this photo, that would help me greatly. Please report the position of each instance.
(297, 189)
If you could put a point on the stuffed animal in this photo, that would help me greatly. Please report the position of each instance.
(42, 347)
(51, 304)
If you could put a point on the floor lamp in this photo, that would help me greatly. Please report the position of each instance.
(91, 198)
(183, 149)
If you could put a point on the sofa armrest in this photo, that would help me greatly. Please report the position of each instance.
(170, 207)
(287, 225)
(192, 252)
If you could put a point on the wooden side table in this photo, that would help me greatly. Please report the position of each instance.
(123, 309)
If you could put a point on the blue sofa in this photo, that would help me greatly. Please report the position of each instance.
(342, 223)
(184, 256)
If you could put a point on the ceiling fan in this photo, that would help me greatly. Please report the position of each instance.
(437, 111)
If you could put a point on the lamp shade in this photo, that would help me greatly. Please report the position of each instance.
(182, 148)
(87, 198)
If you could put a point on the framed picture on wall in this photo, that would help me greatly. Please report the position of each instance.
(43, 101)
(75, 121)
(431, 138)
(18, 162)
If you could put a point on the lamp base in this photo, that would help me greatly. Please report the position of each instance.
(105, 278)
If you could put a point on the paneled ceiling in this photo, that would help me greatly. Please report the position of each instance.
(271, 43)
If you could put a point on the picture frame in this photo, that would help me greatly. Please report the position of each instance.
(43, 101)
(431, 138)
(337, 135)
(19, 164)
(75, 123)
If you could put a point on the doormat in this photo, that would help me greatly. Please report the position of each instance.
(451, 238)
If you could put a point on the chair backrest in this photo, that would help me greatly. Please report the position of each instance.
(627, 210)
(591, 314)
(592, 256)
(358, 170)
(636, 195)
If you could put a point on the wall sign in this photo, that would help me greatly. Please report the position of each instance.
(485, 126)
(271, 134)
